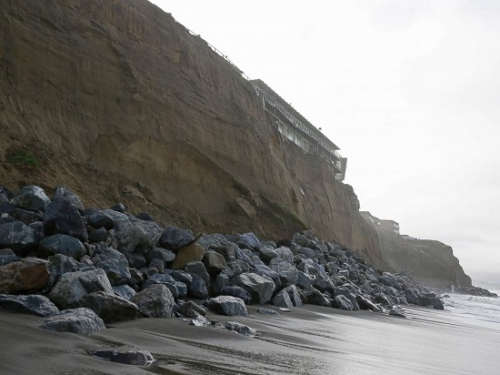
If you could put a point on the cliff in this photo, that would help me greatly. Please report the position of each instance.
(431, 263)
(119, 102)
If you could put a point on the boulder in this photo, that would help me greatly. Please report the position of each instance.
(26, 216)
(98, 235)
(240, 329)
(188, 254)
(236, 291)
(397, 311)
(29, 274)
(315, 297)
(259, 287)
(29, 304)
(110, 307)
(266, 253)
(227, 251)
(262, 270)
(267, 312)
(198, 287)
(73, 286)
(115, 264)
(134, 234)
(173, 238)
(60, 264)
(342, 302)
(125, 355)
(285, 254)
(136, 260)
(17, 236)
(124, 291)
(282, 299)
(288, 273)
(61, 244)
(365, 304)
(412, 297)
(81, 320)
(199, 321)
(61, 216)
(294, 295)
(162, 254)
(7, 256)
(191, 309)
(198, 268)
(214, 262)
(182, 276)
(227, 305)
(99, 219)
(431, 299)
(156, 301)
(250, 241)
(31, 198)
(60, 192)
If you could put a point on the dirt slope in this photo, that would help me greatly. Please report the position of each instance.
(119, 102)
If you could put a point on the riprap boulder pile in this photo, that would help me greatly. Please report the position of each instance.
(84, 268)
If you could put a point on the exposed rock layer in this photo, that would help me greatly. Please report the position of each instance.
(117, 101)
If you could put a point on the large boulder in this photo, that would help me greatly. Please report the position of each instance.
(60, 264)
(214, 262)
(29, 304)
(239, 328)
(81, 320)
(188, 254)
(100, 219)
(198, 287)
(191, 309)
(431, 299)
(31, 198)
(282, 299)
(60, 192)
(73, 286)
(227, 305)
(315, 297)
(342, 302)
(115, 264)
(134, 234)
(250, 241)
(199, 269)
(19, 237)
(294, 295)
(29, 274)
(156, 301)
(61, 244)
(236, 291)
(288, 273)
(110, 307)
(259, 287)
(365, 304)
(173, 238)
(7, 256)
(124, 291)
(267, 253)
(61, 216)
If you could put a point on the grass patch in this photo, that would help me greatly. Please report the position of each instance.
(23, 158)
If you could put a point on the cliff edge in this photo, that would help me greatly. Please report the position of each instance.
(119, 102)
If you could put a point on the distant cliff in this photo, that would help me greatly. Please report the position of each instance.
(431, 263)
(119, 102)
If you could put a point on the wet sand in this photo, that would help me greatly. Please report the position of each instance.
(309, 340)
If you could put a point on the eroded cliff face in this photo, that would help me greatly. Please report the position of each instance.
(431, 263)
(116, 95)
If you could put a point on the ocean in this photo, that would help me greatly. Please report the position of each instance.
(462, 339)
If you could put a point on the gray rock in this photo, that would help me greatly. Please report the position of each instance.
(62, 217)
(136, 260)
(26, 216)
(60, 264)
(182, 276)
(165, 255)
(220, 282)
(7, 256)
(304, 281)
(198, 269)
(81, 320)
(240, 329)
(285, 254)
(259, 287)
(250, 240)
(289, 275)
(135, 235)
(227, 251)
(263, 311)
(267, 253)
(115, 264)
(262, 270)
(294, 295)
(124, 291)
(61, 192)
(342, 302)
(156, 301)
(28, 304)
(282, 299)
(158, 264)
(365, 304)
(18, 236)
(191, 309)
(110, 307)
(431, 299)
(100, 219)
(31, 198)
(173, 238)
(125, 355)
(198, 287)
(214, 262)
(98, 235)
(315, 297)
(199, 321)
(119, 207)
(397, 311)
(236, 291)
(412, 296)
(73, 286)
(61, 244)
(227, 305)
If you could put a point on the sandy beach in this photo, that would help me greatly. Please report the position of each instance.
(308, 340)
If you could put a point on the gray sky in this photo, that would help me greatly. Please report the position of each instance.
(409, 90)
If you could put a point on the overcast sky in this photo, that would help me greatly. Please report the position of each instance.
(409, 90)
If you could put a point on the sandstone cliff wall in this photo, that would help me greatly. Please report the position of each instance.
(431, 263)
(116, 95)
